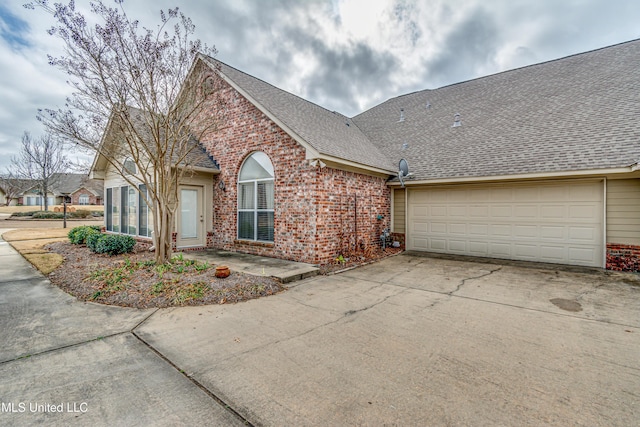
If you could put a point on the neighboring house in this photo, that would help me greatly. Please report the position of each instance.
(12, 187)
(541, 163)
(79, 187)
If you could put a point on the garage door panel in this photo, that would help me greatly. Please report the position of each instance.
(479, 195)
(583, 256)
(555, 254)
(525, 231)
(478, 248)
(500, 230)
(549, 222)
(420, 211)
(419, 243)
(553, 193)
(552, 232)
(584, 192)
(457, 246)
(578, 212)
(438, 244)
(499, 250)
(458, 228)
(501, 194)
(587, 234)
(479, 230)
(438, 211)
(525, 212)
(549, 212)
(479, 212)
(501, 211)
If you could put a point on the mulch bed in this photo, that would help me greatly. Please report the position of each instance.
(132, 280)
(357, 259)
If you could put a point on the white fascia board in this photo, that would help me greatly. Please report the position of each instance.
(354, 165)
(518, 177)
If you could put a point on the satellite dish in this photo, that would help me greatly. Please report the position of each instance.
(403, 171)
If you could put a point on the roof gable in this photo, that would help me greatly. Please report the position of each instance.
(197, 157)
(329, 134)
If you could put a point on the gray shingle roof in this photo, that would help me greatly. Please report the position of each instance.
(70, 182)
(326, 131)
(572, 114)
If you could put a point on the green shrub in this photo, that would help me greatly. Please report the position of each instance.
(30, 213)
(78, 235)
(112, 244)
(92, 241)
(80, 213)
(47, 215)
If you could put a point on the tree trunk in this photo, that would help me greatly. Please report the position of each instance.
(163, 234)
(45, 190)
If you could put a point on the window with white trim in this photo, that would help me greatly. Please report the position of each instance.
(83, 199)
(256, 198)
(126, 212)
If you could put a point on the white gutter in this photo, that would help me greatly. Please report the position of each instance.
(518, 177)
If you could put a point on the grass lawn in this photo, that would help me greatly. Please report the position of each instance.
(30, 242)
(12, 209)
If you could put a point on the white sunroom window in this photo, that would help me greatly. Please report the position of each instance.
(256, 198)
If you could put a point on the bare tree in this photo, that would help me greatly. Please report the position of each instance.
(40, 160)
(133, 82)
(11, 185)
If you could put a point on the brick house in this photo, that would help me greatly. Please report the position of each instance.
(81, 189)
(540, 163)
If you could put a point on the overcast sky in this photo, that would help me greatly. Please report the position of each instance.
(345, 55)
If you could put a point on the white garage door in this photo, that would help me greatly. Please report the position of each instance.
(545, 222)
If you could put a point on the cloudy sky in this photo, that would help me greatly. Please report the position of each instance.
(346, 55)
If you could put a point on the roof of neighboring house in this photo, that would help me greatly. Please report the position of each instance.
(329, 133)
(21, 184)
(68, 183)
(572, 114)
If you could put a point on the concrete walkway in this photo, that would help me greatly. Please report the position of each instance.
(406, 341)
(65, 362)
(283, 270)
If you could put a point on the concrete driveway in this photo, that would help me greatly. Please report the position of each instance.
(406, 341)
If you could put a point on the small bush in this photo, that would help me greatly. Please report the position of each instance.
(92, 241)
(30, 213)
(112, 244)
(80, 213)
(47, 215)
(78, 235)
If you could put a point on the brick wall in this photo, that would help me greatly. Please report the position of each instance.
(623, 257)
(316, 211)
(353, 211)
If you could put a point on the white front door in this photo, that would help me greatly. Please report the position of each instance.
(191, 217)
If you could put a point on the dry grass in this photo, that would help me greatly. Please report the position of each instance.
(12, 209)
(44, 262)
(30, 243)
(35, 234)
(34, 246)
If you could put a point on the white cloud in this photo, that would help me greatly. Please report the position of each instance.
(346, 55)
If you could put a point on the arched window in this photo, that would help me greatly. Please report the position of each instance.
(255, 198)
(129, 167)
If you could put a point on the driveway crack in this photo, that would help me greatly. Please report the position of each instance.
(464, 281)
